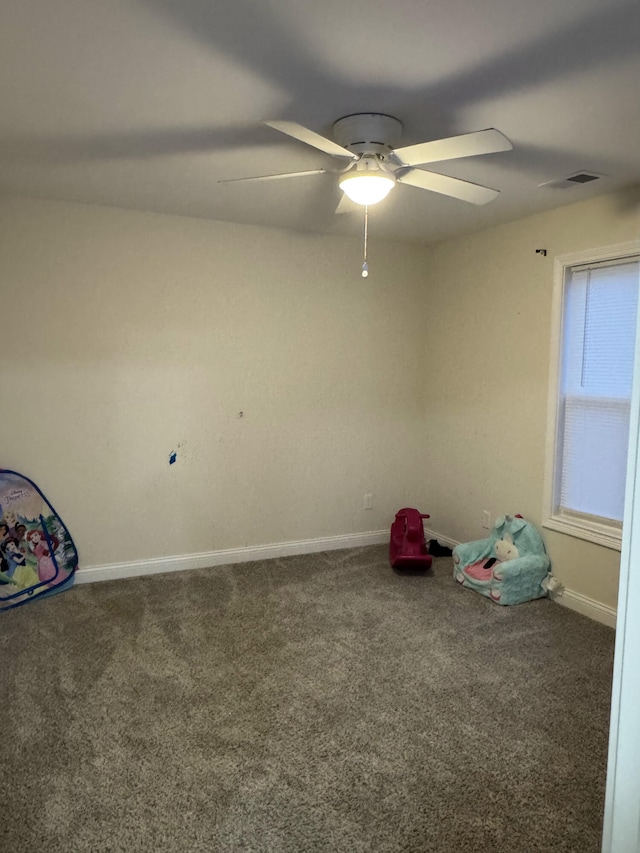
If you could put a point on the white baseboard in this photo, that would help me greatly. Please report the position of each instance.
(587, 607)
(158, 565)
(114, 571)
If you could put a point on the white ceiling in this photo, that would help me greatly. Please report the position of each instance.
(146, 104)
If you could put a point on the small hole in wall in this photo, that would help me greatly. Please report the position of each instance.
(172, 457)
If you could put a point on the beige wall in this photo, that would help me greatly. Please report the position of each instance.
(486, 377)
(126, 336)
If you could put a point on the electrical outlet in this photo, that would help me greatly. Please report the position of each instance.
(367, 501)
(486, 519)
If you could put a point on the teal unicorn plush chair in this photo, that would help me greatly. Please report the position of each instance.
(509, 567)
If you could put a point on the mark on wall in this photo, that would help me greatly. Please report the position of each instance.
(183, 453)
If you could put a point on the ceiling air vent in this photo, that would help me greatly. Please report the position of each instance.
(572, 180)
(582, 178)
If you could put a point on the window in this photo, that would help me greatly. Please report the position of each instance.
(592, 364)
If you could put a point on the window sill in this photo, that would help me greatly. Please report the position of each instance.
(608, 535)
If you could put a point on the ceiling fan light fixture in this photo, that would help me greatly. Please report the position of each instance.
(367, 182)
(366, 189)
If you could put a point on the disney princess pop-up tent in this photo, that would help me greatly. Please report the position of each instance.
(37, 554)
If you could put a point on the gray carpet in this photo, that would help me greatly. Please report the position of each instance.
(317, 703)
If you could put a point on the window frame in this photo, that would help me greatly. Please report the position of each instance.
(580, 525)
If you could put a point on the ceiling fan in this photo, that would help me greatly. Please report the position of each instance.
(365, 144)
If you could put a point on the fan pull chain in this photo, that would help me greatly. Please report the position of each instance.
(365, 266)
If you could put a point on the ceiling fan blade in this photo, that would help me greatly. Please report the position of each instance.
(303, 134)
(468, 145)
(274, 177)
(443, 184)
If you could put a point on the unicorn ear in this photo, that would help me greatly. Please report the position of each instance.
(517, 524)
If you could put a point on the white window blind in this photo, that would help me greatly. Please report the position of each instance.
(598, 345)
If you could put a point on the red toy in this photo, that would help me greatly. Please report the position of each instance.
(407, 547)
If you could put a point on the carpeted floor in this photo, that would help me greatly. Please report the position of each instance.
(316, 703)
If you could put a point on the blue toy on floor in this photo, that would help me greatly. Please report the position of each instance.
(509, 567)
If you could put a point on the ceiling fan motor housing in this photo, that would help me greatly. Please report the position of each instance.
(368, 133)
